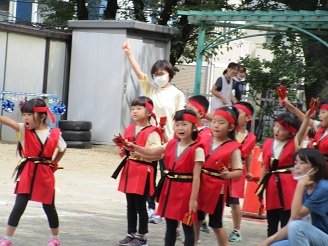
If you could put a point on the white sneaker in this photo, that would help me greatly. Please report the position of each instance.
(151, 212)
(156, 219)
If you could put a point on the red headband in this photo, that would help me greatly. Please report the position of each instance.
(225, 115)
(243, 108)
(287, 127)
(191, 118)
(45, 110)
(324, 107)
(150, 108)
(198, 106)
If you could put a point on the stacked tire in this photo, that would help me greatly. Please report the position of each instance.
(76, 134)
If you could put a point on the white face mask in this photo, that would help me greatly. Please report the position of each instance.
(299, 176)
(161, 81)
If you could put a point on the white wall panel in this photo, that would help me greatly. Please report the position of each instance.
(24, 72)
(3, 51)
(25, 63)
(56, 68)
(102, 83)
(96, 82)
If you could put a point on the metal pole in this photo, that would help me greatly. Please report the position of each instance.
(199, 59)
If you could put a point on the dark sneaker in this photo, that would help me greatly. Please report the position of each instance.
(128, 239)
(204, 227)
(235, 236)
(138, 241)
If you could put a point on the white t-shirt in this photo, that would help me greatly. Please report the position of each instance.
(42, 134)
(166, 102)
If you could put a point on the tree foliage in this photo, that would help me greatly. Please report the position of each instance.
(299, 61)
(56, 14)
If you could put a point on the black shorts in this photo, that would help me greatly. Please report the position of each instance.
(215, 220)
(231, 200)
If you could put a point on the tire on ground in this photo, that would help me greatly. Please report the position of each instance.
(76, 135)
(79, 144)
(75, 125)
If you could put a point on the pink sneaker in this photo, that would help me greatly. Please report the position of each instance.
(5, 242)
(53, 242)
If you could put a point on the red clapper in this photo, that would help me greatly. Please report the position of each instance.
(162, 121)
(120, 142)
(189, 218)
(314, 104)
(282, 92)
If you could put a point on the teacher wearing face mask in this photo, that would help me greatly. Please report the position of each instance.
(167, 98)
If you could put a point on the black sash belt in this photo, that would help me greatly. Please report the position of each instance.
(178, 177)
(37, 160)
(173, 176)
(212, 172)
(262, 186)
(123, 162)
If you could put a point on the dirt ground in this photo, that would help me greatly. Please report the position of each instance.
(91, 210)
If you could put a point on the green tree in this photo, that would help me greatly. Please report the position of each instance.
(184, 44)
(288, 68)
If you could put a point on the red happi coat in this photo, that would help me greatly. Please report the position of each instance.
(206, 131)
(135, 173)
(175, 195)
(210, 186)
(237, 186)
(287, 185)
(38, 179)
(322, 144)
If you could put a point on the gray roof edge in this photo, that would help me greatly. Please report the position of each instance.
(121, 24)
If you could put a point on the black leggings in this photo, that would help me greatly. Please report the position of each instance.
(171, 233)
(19, 208)
(274, 216)
(136, 205)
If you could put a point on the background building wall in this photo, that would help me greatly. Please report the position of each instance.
(32, 62)
(102, 83)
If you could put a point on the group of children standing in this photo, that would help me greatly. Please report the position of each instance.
(199, 164)
(204, 168)
(196, 159)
